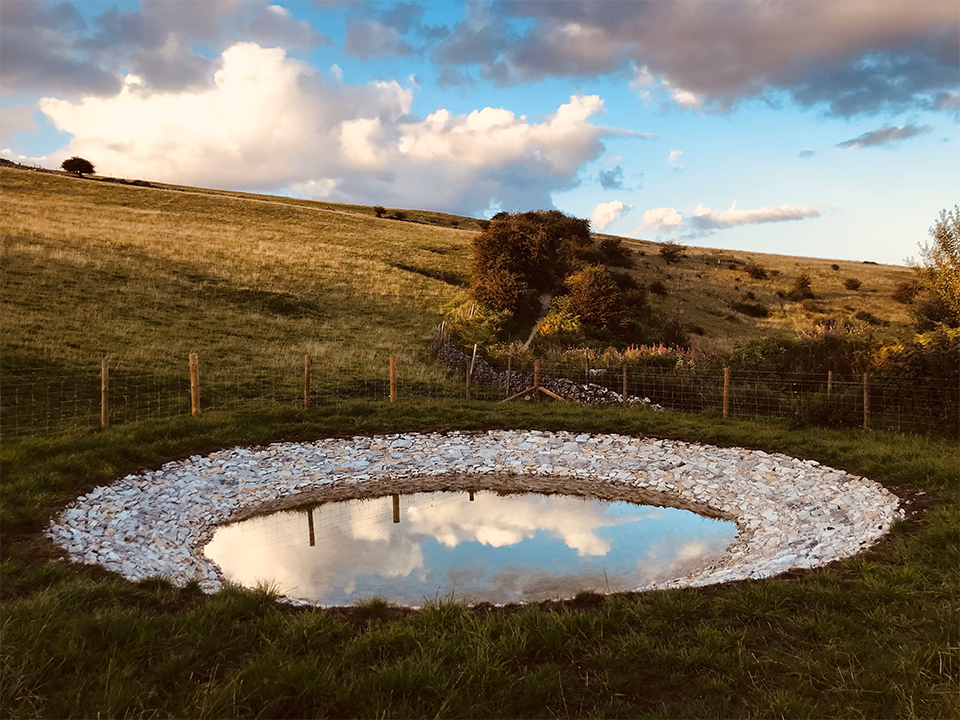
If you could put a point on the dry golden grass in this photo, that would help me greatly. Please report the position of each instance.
(701, 287)
(148, 275)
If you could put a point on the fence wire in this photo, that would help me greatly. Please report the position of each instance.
(49, 401)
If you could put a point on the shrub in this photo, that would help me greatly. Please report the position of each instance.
(852, 284)
(672, 252)
(658, 288)
(940, 268)
(379, 210)
(801, 288)
(834, 267)
(870, 318)
(399, 215)
(755, 271)
(757, 310)
(560, 323)
(906, 292)
(612, 252)
(810, 306)
(934, 354)
(594, 297)
(78, 165)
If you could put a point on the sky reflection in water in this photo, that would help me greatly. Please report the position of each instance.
(498, 548)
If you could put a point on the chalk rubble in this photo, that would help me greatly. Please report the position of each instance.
(789, 513)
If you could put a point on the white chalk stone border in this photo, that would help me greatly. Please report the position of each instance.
(790, 513)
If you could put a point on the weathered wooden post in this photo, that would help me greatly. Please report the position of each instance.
(471, 495)
(396, 508)
(866, 401)
(586, 371)
(313, 539)
(469, 371)
(306, 382)
(726, 393)
(194, 385)
(104, 393)
(393, 378)
(829, 381)
(536, 380)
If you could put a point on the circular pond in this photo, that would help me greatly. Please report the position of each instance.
(470, 545)
(789, 513)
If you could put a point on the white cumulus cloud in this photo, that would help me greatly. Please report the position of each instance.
(707, 219)
(660, 219)
(270, 122)
(674, 160)
(606, 213)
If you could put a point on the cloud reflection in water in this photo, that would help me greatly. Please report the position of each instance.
(496, 548)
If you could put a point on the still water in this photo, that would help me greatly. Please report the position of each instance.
(477, 546)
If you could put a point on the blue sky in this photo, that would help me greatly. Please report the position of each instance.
(816, 128)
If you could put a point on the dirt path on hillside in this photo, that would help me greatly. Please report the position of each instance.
(545, 299)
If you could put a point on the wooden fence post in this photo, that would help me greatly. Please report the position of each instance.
(536, 380)
(586, 371)
(194, 385)
(623, 399)
(866, 401)
(104, 393)
(393, 378)
(396, 508)
(726, 393)
(306, 382)
(829, 381)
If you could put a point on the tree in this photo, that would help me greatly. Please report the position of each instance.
(939, 273)
(78, 165)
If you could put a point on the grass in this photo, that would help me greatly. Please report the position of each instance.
(253, 283)
(871, 636)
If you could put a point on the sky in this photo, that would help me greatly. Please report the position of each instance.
(819, 128)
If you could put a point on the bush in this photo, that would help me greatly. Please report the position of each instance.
(672, 252)
(595, 298)
(801, 288)
(612, 252)
(399, 215)
(852, 284)
(78, 165)
(906, 292)
(755, 271)
(834, 267)
(940, 268)
(935, 354)
(757, 310)
(870, 318)
(379, 210)
(658, 288)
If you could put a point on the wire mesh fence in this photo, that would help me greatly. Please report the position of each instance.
(38, 401)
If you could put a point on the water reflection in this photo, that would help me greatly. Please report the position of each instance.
(477, 546)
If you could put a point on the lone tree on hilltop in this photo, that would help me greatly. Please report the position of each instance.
(79, 166)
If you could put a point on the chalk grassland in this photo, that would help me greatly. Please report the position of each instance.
(253, 283)
(869, 637)
(148, 276)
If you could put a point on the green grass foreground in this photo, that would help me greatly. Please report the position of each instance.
(873, 636)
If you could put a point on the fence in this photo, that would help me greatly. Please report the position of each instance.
(111, 392)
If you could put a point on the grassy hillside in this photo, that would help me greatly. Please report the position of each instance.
(148, 275)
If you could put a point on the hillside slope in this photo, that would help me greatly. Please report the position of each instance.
(150, 274)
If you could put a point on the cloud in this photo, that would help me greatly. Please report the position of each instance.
(356, 143)
(611, 179)
(884, 135)
(606, 213)
(674, 160)
(660, 219)
(16, 118)
(51, 49)
(805, 153)
(370, 39)
(706, 219)
(863, 57)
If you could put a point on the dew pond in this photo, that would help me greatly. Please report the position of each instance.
(474, 546)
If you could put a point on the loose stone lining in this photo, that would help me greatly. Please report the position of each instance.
(790, 513)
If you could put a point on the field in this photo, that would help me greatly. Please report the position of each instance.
(148, 275)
